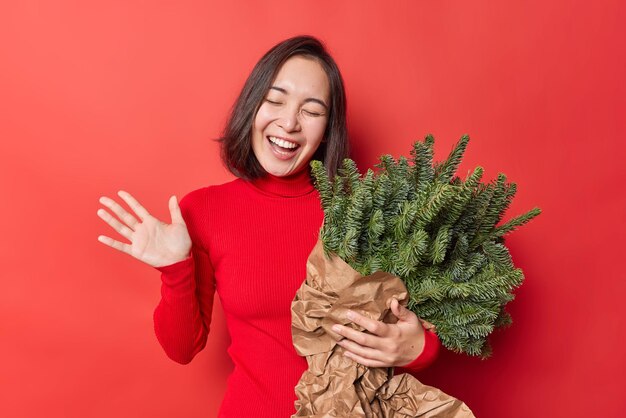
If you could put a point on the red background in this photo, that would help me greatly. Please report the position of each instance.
(99, 96)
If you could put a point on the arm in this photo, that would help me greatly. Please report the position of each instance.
(183, 316)
(181, 321)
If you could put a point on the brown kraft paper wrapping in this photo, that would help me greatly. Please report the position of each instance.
(336, 386)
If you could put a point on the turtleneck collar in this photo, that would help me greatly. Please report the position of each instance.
(293, 185)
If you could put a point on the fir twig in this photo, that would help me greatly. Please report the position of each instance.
(416, 219)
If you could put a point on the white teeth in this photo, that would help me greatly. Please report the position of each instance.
(282, 142)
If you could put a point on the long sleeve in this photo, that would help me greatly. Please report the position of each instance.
(426, 357)
(183, 316)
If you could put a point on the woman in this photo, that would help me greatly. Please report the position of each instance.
(249, 239)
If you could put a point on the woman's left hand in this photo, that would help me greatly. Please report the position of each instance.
(385, 345)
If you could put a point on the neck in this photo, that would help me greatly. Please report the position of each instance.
(292, 185)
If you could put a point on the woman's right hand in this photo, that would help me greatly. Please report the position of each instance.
(154, 242)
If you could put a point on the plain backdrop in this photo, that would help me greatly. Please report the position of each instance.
(98, 96)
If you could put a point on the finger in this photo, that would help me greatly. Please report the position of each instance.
(125, 248)
(375, 327)
(398, 310)
(395, 307)
(427, 325)
(404, 315)
(134, 205)
(125, 231)
(365, 352)
(365, 361)
(121, 213)
(361, 338)
(175, 213)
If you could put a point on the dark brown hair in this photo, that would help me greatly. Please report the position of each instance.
(236, 148)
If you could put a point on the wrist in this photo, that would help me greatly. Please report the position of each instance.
(177, 258)
(174, 260)
(416, 349)
(429, 353)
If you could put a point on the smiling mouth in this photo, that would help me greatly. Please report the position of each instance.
(282, 146)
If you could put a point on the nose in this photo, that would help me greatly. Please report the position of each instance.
(288, 120)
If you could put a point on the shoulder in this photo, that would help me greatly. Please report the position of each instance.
(193, 201)
(197, 201)
(202, 208)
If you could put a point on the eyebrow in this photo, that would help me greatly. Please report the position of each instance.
(307, 100)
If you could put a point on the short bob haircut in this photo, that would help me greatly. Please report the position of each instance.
(236, 148)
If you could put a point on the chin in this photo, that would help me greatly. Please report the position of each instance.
(276, 173)
(282, 172)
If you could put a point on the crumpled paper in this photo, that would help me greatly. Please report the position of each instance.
(334, 385)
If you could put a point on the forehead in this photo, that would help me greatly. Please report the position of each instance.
(303, 76)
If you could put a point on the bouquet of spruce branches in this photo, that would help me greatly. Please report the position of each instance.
(437, 232)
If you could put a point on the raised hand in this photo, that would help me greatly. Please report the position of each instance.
(154, 242)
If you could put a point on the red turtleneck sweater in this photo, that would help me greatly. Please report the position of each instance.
(251, 240)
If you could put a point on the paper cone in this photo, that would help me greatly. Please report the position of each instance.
(335, 386)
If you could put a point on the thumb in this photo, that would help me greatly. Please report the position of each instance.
(175, 213)
(398, 310)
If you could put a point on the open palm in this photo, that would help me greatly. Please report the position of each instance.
(152, 241)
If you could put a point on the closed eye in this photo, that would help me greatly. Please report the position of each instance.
(312, 113)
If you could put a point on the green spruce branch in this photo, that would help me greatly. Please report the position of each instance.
(439, 233)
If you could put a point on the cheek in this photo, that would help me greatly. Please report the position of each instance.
(317, 131)
(264, 116)
(258, 127)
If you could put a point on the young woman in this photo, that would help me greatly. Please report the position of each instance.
(249, 239)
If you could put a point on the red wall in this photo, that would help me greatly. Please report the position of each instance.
(99, 96)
